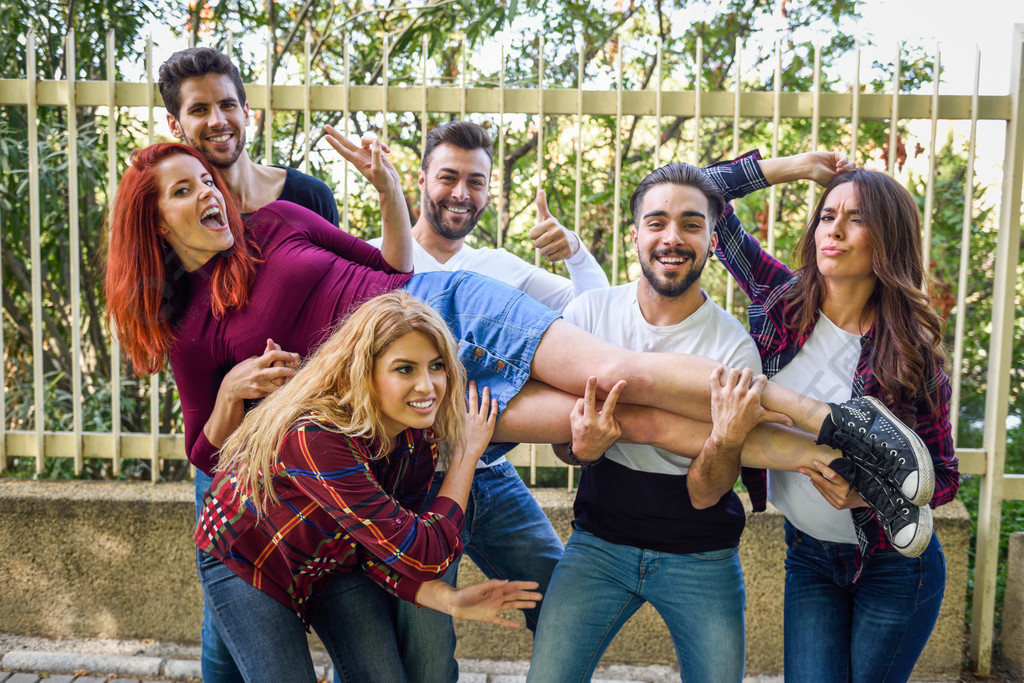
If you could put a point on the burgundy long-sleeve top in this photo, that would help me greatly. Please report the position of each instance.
(312, 274)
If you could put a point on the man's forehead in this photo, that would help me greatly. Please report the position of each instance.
(672, 199)
(453, 158)
(208, 88)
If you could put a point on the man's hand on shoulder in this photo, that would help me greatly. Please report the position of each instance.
(552, 239)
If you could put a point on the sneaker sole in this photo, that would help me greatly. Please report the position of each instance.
(925, 472)
(923, 536)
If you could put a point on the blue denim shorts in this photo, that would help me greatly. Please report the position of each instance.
(498, 327)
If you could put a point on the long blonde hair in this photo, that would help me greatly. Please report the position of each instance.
(335, 387)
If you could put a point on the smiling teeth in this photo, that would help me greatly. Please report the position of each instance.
(421, 404)
(212, 211)
(218, 138)
(455, 210)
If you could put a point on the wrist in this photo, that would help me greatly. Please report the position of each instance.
(574, 243)
(575, 460)
(721, 443)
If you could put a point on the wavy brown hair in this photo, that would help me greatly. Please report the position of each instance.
(908, 332)
(335, 387)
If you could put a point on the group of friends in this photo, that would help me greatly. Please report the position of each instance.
(349, 405)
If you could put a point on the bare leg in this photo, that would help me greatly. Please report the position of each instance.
(567, 356)
(540, 414)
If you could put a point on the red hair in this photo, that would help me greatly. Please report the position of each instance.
(142, 270)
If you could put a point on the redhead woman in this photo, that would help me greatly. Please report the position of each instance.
(186, 279)
(852, 321)
(317, 501)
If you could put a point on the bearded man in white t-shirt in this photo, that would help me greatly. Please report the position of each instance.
(506, 533)
(652, 526)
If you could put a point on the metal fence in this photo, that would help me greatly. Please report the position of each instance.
(579, 103)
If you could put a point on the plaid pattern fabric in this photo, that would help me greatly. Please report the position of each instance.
(340, 510)
(767, 282)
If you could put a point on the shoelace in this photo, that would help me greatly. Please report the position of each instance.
(892, 507)
(887, 466)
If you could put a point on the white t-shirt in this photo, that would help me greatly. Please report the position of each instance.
(614, 315)
(823, 369)
(554, 291)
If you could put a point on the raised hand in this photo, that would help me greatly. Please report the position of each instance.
(480, 418)
(594, 430)
(551, 238)
(822, 167)
(368, 158)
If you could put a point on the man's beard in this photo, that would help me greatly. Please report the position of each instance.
(219, 162)
(674, 288)
(433, 213)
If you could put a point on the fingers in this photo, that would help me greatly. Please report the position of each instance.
(613, 397)
(472, 400)
(375, 163)
(525, 586)
(276, 357)
(369, 137)
(830, 474)
(340, 143)
(590, 395)
(542, 206)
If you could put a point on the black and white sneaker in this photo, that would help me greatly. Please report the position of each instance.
(907, 526)
(867, 433)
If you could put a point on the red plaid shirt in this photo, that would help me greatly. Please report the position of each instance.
(339, 511)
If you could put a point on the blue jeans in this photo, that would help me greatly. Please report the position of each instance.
(597, 586)
(871, 631)
(355, 622)
(217, 664)
(497, 327)
(508, 536)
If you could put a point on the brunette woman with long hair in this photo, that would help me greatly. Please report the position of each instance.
(319, 501)
(852, 320)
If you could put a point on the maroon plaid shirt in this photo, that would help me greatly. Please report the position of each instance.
(339, 511)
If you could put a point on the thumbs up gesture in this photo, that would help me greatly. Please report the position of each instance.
(551, 238)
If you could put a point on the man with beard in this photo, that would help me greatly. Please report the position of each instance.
(506, 533)
(208, 111)
(454, 180)
(651, 526)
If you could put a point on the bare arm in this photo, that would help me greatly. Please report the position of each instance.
(820, 167)
(368, 158)
(480, 417)
(735, 410)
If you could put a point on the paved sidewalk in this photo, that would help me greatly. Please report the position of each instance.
(39, 660)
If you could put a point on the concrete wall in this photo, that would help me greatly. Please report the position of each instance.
(1013, 607)
(115, 560)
